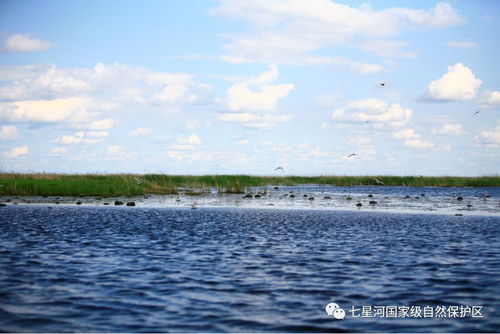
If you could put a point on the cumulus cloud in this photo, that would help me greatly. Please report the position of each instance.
(253, 120)
(23, 43)
(43, 110)
(253, 106)
(289, 32)
(450, 130)
(458, 84)
(412, 139)
(187, 143)
(116, 152)
(490, 138)
(407, 134)
(490, 100)
(241, 96)
(80, 137)
(374, 111)
(417, 143)
(83, 98)
(16, 152)
(9, 132)
(140, 132)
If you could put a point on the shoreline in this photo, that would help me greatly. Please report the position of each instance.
(323, 198)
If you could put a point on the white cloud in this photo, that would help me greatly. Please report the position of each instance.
(463, 44)
(490, 100)
(23, 42)
(17, 151)
(412, 139)
(490, 138)
(116, 152)
(241, 97)
(417, 143)
(254, 120)
(288, 32)
(9, 132)
(187, 143)
(122, 84)
(373, 110)
(97, 134)
(43, 110)
(407, 134)
(79, 137)
(101, 124)
(450, 130)
(458, 84)
(140, 132)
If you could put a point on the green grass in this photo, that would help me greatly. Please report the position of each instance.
(129, 184)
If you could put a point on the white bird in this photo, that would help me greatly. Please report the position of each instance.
(139, 181)
(378, 181)
(282, 170)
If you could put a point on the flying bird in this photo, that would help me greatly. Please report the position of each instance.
(378, 181)
(381, 83)
(278, 168)
(351, 155)
(139, 181)
(477, 112)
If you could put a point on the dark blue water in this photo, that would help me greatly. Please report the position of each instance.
(132, 269)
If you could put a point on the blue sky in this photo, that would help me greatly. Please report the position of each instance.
(241, 87)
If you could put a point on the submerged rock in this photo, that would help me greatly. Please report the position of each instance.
(458, 214)
(105, 203)
(460, 198)
(248, 196)
(3, 204)
(311, 198)
(359, 204)
(370, 195)
(327, 197)
(130, 203)
(348, 198)
(292, 196)
(257, 196)
(118, 203)
(78, 203)
(373, 202)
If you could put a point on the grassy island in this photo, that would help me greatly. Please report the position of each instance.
(44, 184)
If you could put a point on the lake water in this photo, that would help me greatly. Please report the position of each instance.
(94, 268)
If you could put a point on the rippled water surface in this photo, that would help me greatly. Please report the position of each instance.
(222, 269)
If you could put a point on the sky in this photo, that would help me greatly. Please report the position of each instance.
(242, 87)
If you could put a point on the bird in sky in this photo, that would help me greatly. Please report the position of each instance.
(477, 112)
(278, 168)
(381, 83)
(351, 155)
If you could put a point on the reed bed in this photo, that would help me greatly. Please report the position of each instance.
(105, 185)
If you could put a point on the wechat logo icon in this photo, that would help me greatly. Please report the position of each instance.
(335, 311)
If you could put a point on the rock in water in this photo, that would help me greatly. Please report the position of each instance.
(118, 203)
(131, 204)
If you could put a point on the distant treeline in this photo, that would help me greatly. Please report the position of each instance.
(45, 184)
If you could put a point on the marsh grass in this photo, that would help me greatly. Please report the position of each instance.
(44, 184)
